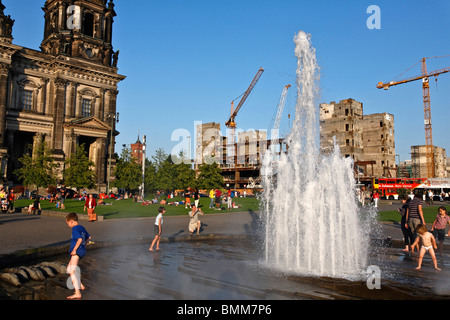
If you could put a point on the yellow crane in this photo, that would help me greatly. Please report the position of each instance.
(426, 107)
(231, 123)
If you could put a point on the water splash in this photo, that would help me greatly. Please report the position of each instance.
(312, 222)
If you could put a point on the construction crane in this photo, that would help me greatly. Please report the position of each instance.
(426, 107)
(275, 136)
(231, 123)
(281, 107)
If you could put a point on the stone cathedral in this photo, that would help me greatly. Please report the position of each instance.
(65, 94)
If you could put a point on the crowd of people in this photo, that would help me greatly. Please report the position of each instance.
(190, 197)
(7, 198)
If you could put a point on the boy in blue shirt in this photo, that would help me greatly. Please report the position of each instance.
(77, 251)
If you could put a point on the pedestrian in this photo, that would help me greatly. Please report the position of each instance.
(90, 205)
(414, 213)
(438, 227)
(194, 222)
(11, 198)
(376, 196)
(35, 206)
(218, 195)
(196, 197)
(407, 236)
(211, 196)
(63, 192)
(157, 228)
(2, 192)
(77, 251)
(428, 245)
(229, 200)
(187, 196)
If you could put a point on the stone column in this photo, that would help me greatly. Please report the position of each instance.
(42, 97)
(107, 103)
(70, 100)
(101, 105)
(78, 102)
(96, 106)
(69, 145)
(3, 100)
(37, 140)
(3, 103)
(58, 115)
(100, 168)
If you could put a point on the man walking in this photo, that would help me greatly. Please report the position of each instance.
(414, 213)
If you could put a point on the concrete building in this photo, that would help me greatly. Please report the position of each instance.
(65, 94)
(419, 162)
(240, 171)
(368, 139)
(379, 143)
(343, 122)
(404, 169)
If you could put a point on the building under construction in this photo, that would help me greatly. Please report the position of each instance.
(419, 162)
(240, 162)
(368, 139)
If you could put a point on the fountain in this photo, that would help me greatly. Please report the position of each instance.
(312, 221)
(316, 239)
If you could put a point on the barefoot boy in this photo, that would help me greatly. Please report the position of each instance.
(77, 251)
(428, 244)
(157, 228)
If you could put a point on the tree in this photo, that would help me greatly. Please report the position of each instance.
(39, 169)
(210, 176)
(166, 175)
(184, 174)
(150, 176)
(79, 173)
(128, 172)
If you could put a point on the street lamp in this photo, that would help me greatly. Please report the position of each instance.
(113, 118)
(143, 166)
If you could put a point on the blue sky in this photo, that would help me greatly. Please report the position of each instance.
(185, 61)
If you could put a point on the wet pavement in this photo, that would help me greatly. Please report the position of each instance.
(223, 263)
(232, 269)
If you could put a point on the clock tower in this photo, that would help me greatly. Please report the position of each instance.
(63, 95)
(80, 29)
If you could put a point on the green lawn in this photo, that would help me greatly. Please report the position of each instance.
(429, 214)
(129, 209)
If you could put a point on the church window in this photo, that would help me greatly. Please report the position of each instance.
(27, 99)
(89, 24)
(86, 108)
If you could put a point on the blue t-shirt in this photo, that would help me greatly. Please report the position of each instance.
(79, 232)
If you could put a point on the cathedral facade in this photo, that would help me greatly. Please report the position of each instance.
(63, 94)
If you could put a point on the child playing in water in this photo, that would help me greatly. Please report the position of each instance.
(77, 251)
(157, 228)
(439, 224)
(428, 244)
